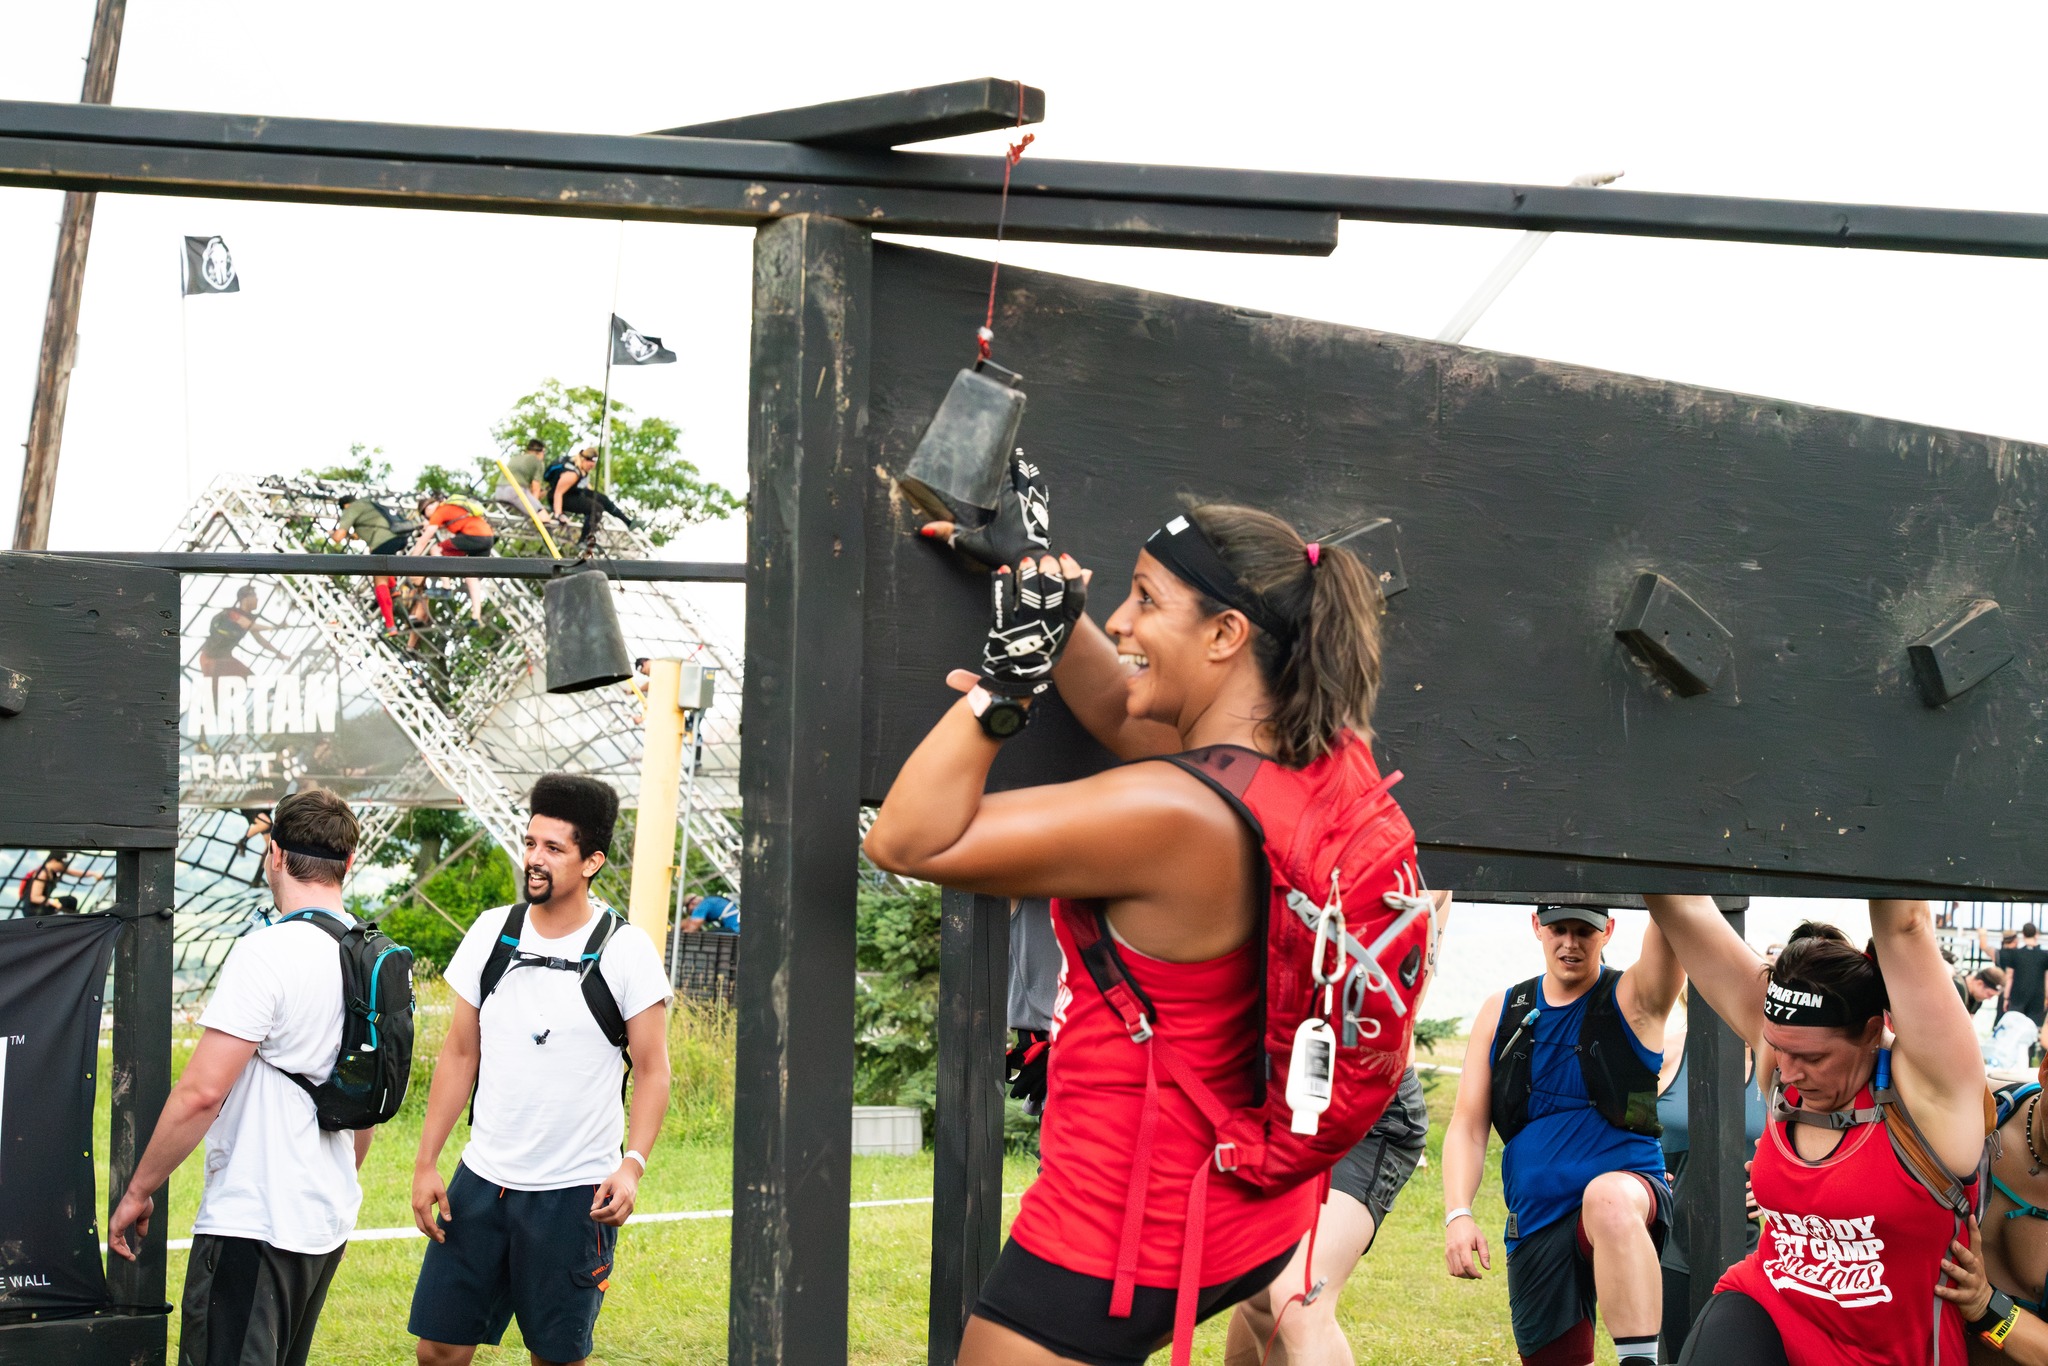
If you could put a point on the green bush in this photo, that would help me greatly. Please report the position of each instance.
(1430, 1033)
(895, 1008)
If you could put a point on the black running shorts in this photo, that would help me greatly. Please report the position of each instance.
(1067, 1313)
(246, 1301)
(1377, 1168)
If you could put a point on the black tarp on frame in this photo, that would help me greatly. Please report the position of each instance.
(53, 973)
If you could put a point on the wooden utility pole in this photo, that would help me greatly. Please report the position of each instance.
(60, 322)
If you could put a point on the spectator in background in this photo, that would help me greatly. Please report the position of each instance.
(711, 913)
(1985, 984)
(526, 467)
(570, 485)
(462, 527)
(2026, 966)
(38, 889)
(217, 652)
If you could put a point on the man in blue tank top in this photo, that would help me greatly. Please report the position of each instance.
(1564, 1066)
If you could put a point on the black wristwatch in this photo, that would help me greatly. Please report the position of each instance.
(1001, 717)
(1999, 1316)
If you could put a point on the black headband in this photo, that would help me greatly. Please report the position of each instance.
(1182, 548)
(319, 851)
(1797, 1003)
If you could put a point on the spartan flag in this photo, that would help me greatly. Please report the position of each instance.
(630, 347)
(52, 971)
(209, 269)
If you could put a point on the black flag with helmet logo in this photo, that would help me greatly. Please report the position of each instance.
(53, 971)
(630, 346)
(210, 267)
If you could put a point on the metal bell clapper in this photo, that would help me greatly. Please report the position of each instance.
(586, 648)
(961, 464)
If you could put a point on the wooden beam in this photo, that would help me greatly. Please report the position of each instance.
(967, 1158)
(879, 122)
(549, 190)
(1710, 1196)
(248, 144)
(144, 893)
(800, 793)
(60, 318)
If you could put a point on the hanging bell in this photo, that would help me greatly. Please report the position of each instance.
(961, 464)
(586, 648)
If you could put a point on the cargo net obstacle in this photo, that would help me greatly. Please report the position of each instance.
(445, 711)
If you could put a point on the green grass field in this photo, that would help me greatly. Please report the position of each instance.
(668, 1298)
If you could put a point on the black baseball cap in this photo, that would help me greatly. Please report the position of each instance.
(1596, 916)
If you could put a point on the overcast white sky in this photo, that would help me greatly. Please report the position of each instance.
(414, 331)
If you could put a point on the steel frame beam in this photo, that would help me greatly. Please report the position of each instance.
(727, 180)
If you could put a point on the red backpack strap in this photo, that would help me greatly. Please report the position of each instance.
(1244, 1145)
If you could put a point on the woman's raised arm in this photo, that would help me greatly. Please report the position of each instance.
(1725, 970)
(1936, 1057)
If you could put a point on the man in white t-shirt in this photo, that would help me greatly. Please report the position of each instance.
(281, 1193)
(528, 1224)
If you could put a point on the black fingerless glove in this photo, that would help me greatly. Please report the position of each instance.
(1035, 613)
(1022, 522)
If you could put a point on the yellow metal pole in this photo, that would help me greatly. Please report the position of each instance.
(661, 767)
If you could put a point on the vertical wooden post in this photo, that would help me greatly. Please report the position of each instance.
(800, 788)
(143, 896)
(1713, 1215)
(60, 319)
(967, 1177)
(654, 824)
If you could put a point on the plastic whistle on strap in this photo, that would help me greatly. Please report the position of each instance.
(1309, 1073)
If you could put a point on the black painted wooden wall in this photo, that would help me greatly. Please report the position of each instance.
(1529, 498)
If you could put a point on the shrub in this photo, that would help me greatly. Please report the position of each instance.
(896, 1001)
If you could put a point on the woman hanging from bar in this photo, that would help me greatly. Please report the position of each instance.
(1248, 658)
(1866, 1173)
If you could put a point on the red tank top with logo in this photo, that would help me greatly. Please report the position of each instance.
(1073, 1215)
(1850, 1253)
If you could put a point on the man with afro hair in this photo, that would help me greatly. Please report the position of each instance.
(554, 996)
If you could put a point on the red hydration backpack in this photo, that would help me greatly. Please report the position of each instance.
(1347, 941)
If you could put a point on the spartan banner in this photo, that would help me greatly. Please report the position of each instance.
(52, 972)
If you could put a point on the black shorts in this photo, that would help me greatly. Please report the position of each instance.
(1377, 1168)
(1067, 1313)
(463, 544)
(534, 1254)
(1550, 1274)
(248, 1302)
(1734, 1327)
(393, 545)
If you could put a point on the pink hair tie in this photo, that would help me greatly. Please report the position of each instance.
(1314, 550)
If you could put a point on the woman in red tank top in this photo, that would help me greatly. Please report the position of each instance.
(1866, 1173)
(1236, 633)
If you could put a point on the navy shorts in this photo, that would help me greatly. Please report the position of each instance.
(537, 1255)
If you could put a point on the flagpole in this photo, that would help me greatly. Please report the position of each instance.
(185, 360)
(604, 416)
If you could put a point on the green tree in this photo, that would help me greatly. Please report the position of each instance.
(896, 1002)
(366, 465)
(647, 476)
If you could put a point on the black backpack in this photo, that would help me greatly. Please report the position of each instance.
(589, 969)
(370, 1076)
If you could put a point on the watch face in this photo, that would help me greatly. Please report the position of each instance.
(1003, 719)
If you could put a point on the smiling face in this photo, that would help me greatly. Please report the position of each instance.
(1571, 950)
(555, 865)
(1178, 652)
(1826, 1065)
